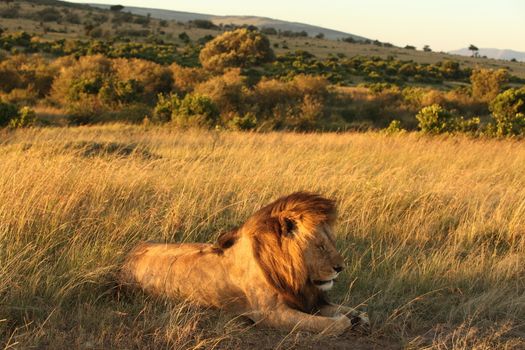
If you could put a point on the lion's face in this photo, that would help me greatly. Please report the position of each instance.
(323, 260)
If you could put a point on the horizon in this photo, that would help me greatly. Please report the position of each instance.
(444, 26)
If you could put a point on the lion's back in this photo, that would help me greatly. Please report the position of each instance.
(194, 271)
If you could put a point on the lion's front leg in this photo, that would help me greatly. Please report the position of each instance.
(360, 320)
(290, 319)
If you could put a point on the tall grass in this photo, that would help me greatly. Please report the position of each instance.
(432, 229)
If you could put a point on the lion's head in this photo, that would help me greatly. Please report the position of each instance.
(293, 243)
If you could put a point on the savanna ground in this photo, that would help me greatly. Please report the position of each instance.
(432, 229)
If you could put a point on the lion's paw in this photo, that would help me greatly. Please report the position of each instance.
(360, 322)
(341, 324)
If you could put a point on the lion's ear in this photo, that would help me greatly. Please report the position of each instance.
(288, 226)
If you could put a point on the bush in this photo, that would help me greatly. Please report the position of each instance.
(298, 104)
(8, 111)
(203, 24)
(487, 83)
(48, 14)
(394, 128)
(239, 48)
(508, 112)
(435, 119)
(110, 82)
(195, 111)
(185, 79)
(82, 79)
(30, 72)
(164, 108)
(151, 78)
(25, 117)
(11, 79)
(238, 123)
(226, 91)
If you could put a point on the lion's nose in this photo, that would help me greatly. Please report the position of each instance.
(338, 268)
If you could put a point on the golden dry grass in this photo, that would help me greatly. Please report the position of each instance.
(433, 231)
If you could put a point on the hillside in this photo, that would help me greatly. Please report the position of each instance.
(75, 64)
(499, 54)
(261, 22)
(56, 20)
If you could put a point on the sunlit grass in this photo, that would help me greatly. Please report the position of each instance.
(433, 231)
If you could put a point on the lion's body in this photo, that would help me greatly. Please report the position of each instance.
(268, 269)
(195, 271)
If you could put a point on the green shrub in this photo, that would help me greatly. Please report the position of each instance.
(394, 128)
(508, 112)
(247, 122)
(164, 108)
(203, 24)
(470, 125)
(25, 117)
(435, 119)
(194, 111)
(8, 111)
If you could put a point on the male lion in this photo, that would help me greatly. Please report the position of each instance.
(274, 269)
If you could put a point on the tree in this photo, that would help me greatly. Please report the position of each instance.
(427, 48)
(487, 83)
(116, 8)
(320, 36)
(203, 24)
(474, 50)
(184, 37)
(240, 48)
(508, 111)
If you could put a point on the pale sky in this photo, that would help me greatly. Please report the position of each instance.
(443, 24)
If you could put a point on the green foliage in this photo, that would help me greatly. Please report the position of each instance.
(12, 116)
(435, 119)
(246, 122)
(184, 37)
(340, 70)
(48, 14)
(25, 117)
(195, 111)
(470, 125)
(508, 112)
(116, 8)
(164, 108)
(8, 111)
(239, 48)
(203, 24)
(394, 127)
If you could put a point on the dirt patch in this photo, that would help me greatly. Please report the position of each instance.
(266, 339)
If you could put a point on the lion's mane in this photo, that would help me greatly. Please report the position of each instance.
(284, 265)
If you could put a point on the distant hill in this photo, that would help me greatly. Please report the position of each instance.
(498, 54)
(260, 22)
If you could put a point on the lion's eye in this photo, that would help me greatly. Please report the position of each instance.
(322, 248)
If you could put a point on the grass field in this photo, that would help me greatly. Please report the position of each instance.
(432, 229)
